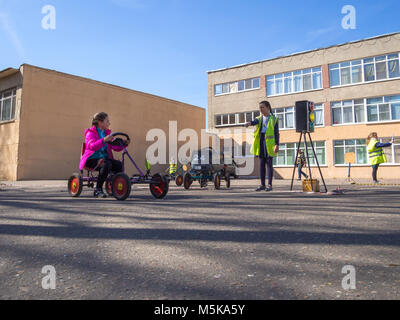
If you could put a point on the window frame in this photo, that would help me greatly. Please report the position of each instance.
(283, 146)
(385, 101)
(13, 108)
(363, 64)
(236, 83)
(392, 149)
(281, 77)
(254, 114)
(293, 112)
(344, 153)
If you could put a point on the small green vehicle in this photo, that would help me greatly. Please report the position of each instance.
(207, 166)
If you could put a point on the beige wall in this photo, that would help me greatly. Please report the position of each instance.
(9, 137)
(58, 107)
(248, 101)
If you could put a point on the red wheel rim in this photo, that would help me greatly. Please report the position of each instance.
(120, 186)
(158, 188)
(74, 186)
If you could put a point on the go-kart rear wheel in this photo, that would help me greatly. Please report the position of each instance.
(121, 186)
(75, 185)
(187, 180)
(179, 180)
(159, 187)
(217, 181)
(228, 181)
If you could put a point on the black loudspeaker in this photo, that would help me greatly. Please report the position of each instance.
(301, 116)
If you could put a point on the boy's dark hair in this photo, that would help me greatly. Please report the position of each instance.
(267, 105)
(101, 116)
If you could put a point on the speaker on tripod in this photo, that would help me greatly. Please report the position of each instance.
(305, 117)
(305, 122)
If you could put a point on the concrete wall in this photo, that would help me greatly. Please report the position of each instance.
(58, 107)
(9, 137)
(248, 101)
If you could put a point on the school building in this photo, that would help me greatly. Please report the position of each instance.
(355, 87)
(43, 115)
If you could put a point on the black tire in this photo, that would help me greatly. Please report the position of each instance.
(179, 180)
(121, 186)
(187, 180)
(159, 187)
(75, 185)
(203, 183)
(217, 181)
(228, 181)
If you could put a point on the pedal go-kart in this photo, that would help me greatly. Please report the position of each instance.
(119, 185)
(206, 165)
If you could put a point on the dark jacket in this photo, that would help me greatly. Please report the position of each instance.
(301, 159)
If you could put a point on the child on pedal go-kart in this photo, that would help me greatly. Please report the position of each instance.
(98, 152)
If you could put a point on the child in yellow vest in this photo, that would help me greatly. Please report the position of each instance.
(376, 154)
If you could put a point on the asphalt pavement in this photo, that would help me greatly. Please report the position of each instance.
(200, 244)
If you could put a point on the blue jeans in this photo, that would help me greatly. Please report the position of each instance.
(300, 171)
(266, 162)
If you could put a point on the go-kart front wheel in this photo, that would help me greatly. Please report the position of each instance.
(121, 186)
(159, 186)
(179, 180)
(187, 180)
(75, 185)
(228, 181)
(217, 181)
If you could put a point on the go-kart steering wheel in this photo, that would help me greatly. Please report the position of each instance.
(119, 141)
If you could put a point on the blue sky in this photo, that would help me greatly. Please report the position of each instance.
(165, 47)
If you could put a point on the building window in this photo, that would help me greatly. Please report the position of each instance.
(293, 82)
(319, 115)
(358, 147)
(233, 119)
(7, 104)
(364, 70)
(392, 153)
(237, 86)
(378, 109)
(285, 117)
(287, 153)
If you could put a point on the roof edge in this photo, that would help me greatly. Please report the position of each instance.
(303, 52)
(8, 72)
(112, 85)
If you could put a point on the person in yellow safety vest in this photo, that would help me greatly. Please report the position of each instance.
(172, 166)
(376, 154)
(266, 142)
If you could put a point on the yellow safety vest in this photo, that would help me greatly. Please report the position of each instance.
(376, 155)
(172, 168)
(269, 137)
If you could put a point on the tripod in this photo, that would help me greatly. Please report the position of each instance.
(304, 134)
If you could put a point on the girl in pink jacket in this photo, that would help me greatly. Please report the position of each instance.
(97, 148)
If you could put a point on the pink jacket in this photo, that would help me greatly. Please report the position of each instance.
(94, 143)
